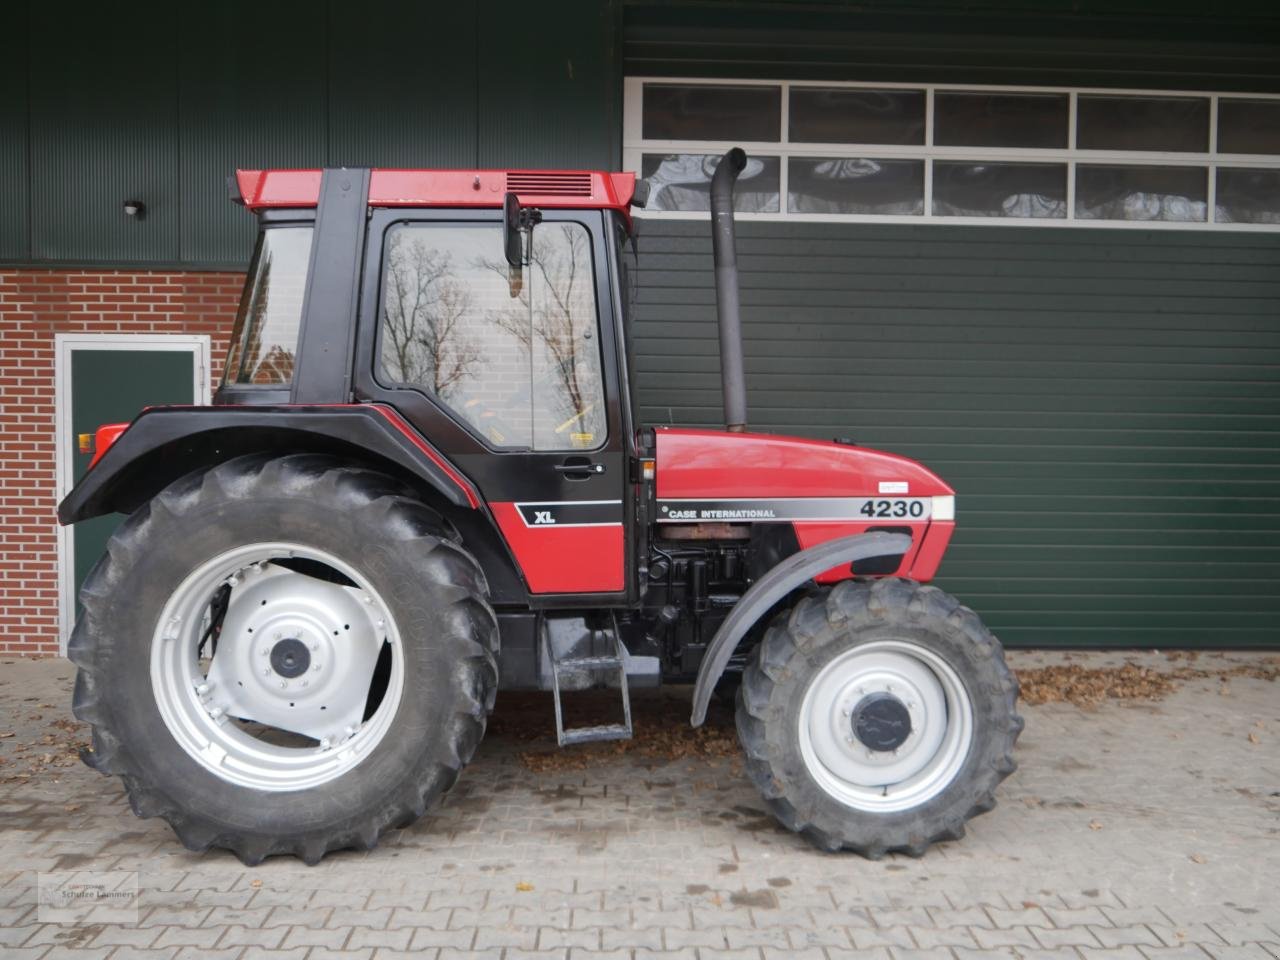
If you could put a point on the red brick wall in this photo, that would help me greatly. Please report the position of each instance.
(34, 306)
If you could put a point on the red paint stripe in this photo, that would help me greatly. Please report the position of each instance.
(400, 424)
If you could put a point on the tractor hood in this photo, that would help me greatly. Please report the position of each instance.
(707, 464)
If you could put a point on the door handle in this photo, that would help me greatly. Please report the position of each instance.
(583, 469)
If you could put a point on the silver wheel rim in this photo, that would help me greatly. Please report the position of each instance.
(280, 705)
(885, 781)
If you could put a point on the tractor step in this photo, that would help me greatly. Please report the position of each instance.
(606, 664)
(607, 731)
(589, 663)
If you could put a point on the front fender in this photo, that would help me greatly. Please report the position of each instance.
(165, 443)
(796, 570)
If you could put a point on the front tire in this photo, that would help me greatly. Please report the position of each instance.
(352, 665)
(878, 716)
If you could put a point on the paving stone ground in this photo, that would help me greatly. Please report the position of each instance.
(1134, 830)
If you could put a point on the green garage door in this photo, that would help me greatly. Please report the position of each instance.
(1106, 403)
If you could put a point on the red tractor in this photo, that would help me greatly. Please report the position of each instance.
(422, 480)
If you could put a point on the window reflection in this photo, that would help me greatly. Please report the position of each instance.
(1247, 195)
(1248, 126)
(1173, 124)
(843, 115)
(859, 186)
(711, 112)
(966, 189)
(1114, 192)
(682, 181)
(995, 119)
(523, 371)
(265, 336)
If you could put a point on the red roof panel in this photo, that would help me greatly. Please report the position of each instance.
(576, 189)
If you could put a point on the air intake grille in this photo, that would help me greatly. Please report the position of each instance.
(550, 184)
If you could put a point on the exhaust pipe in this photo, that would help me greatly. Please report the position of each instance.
(726, 257)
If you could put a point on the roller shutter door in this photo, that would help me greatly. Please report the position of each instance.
(1105, 402)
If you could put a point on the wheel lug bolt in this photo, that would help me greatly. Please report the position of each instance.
(306, 682)
(284, 684)
(202, 689)
(216, 712)
(315, 646)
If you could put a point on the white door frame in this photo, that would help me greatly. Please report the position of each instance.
(198, 345)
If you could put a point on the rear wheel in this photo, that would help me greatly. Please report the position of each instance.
(878, 716)
(285, 655)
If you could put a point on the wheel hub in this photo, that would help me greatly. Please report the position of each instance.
(297, 653)
(881, 722)
(290, 658)
(885, 725)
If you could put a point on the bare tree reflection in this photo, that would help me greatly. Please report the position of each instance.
(426, 309)
(556, 323)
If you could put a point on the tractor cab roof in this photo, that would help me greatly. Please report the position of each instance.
(571, 189)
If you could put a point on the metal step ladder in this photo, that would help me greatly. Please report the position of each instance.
(590, 665)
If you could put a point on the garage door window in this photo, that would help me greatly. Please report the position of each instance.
(953, 154)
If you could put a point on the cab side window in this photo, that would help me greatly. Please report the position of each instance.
(523, 371)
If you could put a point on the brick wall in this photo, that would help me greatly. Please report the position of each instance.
(34, 306)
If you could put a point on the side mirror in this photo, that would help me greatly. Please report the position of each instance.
(513, 242)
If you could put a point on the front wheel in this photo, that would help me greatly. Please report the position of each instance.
(284, 655)
(878, 716)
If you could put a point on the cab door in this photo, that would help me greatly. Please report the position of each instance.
(514, 378)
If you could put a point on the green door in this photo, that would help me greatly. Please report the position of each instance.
(112, 385)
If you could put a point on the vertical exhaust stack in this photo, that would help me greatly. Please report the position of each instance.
(722, 243)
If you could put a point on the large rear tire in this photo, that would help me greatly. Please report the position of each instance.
(878, 716)
(285, 655)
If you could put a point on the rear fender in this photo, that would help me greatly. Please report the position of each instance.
(795, 571)
(165, 443)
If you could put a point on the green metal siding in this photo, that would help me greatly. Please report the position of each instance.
(1181, 45)
(164, 104)
(549, 86)
(16, 191)
(103, 130)
(1106, 403)
(246, 100)
(403, 85)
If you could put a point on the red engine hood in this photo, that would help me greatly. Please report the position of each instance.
(715, 463)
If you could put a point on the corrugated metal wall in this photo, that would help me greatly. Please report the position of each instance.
(163, 103)
(1180, 44)
(1106, 403)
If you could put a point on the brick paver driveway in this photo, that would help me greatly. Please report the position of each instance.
(1136, 829)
